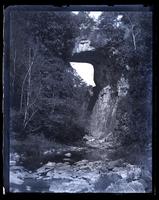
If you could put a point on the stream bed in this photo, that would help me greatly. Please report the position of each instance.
(78, 171)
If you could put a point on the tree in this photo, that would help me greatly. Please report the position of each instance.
(47, 97)
(131, 36)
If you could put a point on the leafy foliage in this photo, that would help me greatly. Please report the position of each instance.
(132, 39)
(53, 96)
(45, 95)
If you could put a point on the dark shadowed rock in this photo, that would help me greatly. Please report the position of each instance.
(105, 180)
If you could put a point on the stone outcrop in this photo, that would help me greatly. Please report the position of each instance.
(111, 86)
(103, 114)
(103, 117)
(105, 70)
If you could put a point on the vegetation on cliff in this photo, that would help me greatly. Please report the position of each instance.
(52, 108)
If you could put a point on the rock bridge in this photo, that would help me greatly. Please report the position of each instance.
(111, 85)
(103, 60)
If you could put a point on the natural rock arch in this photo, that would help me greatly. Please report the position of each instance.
(105, 69)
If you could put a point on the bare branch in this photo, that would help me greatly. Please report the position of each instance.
(136, 33)
(29, 81)
(33, 113)
(132, 30)
(29, 106)
(26, 75)
(14, 69)
(35, 129)
(25, 116)
(134, 40)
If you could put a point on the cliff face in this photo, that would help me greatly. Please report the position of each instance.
(111, 86)
(107, 70)
(103, 117)
(103, 113)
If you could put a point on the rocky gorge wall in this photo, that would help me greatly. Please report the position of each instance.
(103, 117)
(103, 113)
(111, 87)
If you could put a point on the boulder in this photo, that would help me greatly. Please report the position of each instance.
(123, 186)
(68, 154)
(133, 172)
(81, 162)
(16, 178)
(137, 186)
(115, 163)
(50, 164)
(49, 152)
(73, 186)
(105, 180)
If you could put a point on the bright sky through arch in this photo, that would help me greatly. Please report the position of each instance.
(85, 71)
